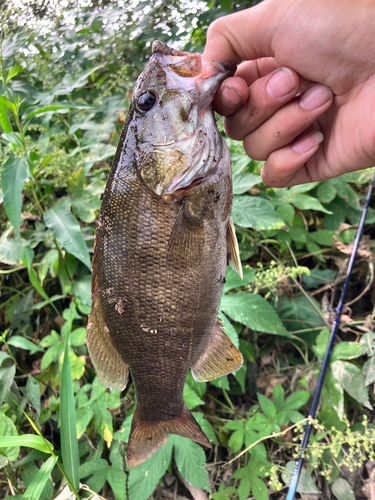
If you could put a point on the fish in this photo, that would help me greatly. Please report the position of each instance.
(163, 241)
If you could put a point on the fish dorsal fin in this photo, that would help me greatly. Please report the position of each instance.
(186, 240)
(234, 259)
(111, 369)
(146, 438)
(220, 358)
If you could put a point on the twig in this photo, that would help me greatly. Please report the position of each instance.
(365, 290)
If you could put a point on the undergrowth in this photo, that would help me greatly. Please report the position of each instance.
(63, 98)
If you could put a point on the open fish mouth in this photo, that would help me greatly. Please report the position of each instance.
(201, 150)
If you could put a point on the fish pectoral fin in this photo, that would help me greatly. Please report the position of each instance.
(220, 358)
(111, 369)
(147, 437)
(186, 240)
(234, 259)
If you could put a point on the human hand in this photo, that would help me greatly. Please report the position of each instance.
(304, 98)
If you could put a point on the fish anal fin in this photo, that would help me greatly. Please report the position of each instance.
(186, 240)
(111, 369)
(234, 259)
(220, 358)
(146, 438)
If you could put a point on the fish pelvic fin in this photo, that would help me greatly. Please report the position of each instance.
(234, 259)
(146, 438)
(220, 358)
(111, 369)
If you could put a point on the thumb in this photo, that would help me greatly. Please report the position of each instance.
(242, 36)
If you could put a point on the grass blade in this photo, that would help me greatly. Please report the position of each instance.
(37, 485)
(69, 441)
(29, 440)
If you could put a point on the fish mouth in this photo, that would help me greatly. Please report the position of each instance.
(186, 71)
(181, 164)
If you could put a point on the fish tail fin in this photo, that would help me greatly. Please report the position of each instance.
(146, 438)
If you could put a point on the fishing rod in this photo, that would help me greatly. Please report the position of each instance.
(314, 405)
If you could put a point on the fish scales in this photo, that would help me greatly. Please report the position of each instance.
(161, 251)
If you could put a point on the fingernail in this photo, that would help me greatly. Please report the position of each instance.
(315, 97)
(308, 142)
(231, 97)
(281, 83)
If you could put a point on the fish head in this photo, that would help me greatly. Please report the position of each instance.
(177, 141)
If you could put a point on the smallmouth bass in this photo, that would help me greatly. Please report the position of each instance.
(163, 242)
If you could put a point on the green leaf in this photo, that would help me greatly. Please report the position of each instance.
(103, 422)
(233, 280)
(78, 336)
(33, 393)
(144, 478)
(278, 395)
(8, 429)
(305, 483)
(303, 188)
(244, 181)
(4, 120)
(268, 408)
(342, 489)
(221, 382)
(11, 252)
(27, 257)
(296, 400)
(319, 277)
(255, 212)
(326, 192)
(229, 330)
(68, 427)
(253, 311)
(299, 314)
(35, 488)
(7, 372)
(67, 231)
(191, 461)
(191, 397)
(14, 70)
(321, 343)
(63, 107)
(92, 467)
(205, 426)
(352, 380)
(240, 376)
(346, 350)
(13, 176)
(323, 237)
(28, 440)
(77, 365)
(244, 487)
(332, 409)
(259, 489)
(247, 350)
(117, 480)
(22, 343)
(236, 440)
(306, 202)
(86, 206)
(83, 418)
(8, 104)
(82, 289)
(50, 356)
(286, 212)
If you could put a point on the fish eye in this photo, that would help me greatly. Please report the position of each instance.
(146, 101)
